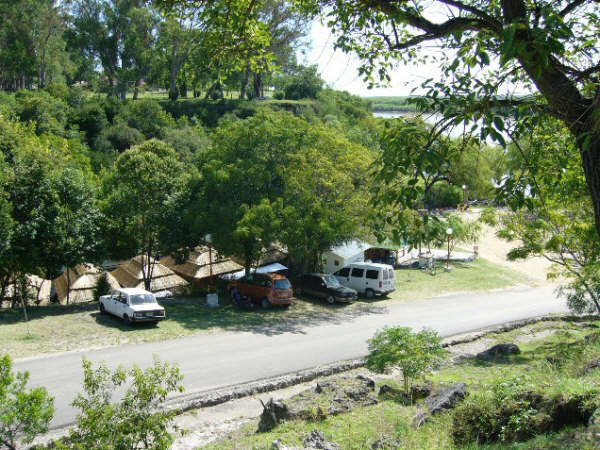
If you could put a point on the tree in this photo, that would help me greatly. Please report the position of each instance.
(141, 194)
(54, 215)
(551, 47)
(279, 178)
(303, 82)
(551, 212)
(32, 49)
(411, 163)
(400, 347)
(133, 422)
(24, 414)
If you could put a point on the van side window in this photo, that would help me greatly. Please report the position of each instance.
(358, 273)
(372, 274)
(343, 272)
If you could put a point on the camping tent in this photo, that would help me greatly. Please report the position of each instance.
(38, 291)
(77, 284)
(196, 268)
(131, 274)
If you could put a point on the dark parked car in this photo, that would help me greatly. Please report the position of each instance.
(324, 286)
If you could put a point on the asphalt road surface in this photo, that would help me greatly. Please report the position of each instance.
(213, 360)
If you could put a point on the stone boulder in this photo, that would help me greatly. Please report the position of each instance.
(442, 401)
(327, 398)
(386, 442)
(498, 351)
(315, 440)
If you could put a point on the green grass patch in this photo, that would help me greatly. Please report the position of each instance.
(479, 275)
(58, 328)
(533, 370)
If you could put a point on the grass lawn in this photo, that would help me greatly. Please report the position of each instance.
(58, 328)
(552, 365)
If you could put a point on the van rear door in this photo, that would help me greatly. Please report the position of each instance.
(389, 279)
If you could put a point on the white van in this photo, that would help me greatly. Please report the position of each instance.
(367, 278)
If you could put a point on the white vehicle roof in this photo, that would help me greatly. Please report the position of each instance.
(369, 264)
(133, 291)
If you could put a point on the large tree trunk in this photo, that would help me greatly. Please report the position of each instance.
(590, 156)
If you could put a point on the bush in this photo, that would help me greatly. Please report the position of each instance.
(305, 83)
(24, 414)
(49, 114)
(118, 137)
(134, 422)
(91, 119)
(513, 411)
(103, 287)
(443, 195)
(147, 116)
(413, 353)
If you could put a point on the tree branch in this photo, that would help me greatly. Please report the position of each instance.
(571, 7)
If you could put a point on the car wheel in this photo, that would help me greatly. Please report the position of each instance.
(102, 309)
(126, 319)
(369, 293)
(265, 303)
(330, 299)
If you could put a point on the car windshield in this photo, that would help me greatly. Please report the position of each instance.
(332, 281)
(141, 299)
(283, 284)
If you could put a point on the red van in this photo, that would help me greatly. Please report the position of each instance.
(265, 289)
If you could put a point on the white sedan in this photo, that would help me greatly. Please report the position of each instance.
(132, 305)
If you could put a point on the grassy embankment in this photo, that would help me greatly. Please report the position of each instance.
(77, 327)
(553, 366)
(391, 104)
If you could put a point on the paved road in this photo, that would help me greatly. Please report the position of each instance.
(215, 360)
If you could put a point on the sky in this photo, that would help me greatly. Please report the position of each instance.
(340, 70)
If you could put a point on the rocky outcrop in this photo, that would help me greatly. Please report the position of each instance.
(328, 398)
(315, 440)
(442, 401)
(498, 351)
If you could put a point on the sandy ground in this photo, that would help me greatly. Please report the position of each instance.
(495, 249)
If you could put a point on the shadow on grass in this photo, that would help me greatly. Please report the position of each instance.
(11, 316)
(192, 313)
(108, 320)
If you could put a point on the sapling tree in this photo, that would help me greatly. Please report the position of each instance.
(135, 421)
(399, 347)
(24, 413)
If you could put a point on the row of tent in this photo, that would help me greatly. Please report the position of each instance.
(77, 284)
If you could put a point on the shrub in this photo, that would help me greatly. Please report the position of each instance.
(91, 119)
(135, 421)
(23, 413)
(49, 114)
(413, 353)
(147, 116)
(118, 137)
(102, 287)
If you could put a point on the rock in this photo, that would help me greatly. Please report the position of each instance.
(388, 392)
(315, 440)
(592, 365)
(436, 403)
(327, 398)
(274, 412)
(592, 338)
(278, 445)
(594, 418)
(386, 442)
(421, 390)
(498, 350)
